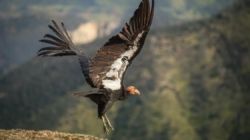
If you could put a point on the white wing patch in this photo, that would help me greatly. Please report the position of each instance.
(119, 67)
(112, 84)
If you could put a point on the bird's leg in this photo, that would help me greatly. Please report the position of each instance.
(105, 129)
(108, 122)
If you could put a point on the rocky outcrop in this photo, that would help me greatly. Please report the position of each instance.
(19, 134)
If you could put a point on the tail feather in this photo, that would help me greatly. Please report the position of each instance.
(85, 94)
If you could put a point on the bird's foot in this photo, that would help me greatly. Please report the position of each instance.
(109, 126)
(105, 125)
(108, 123)
(105, 129)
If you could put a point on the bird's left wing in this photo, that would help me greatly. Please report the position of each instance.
(62, 45)
(112, 59)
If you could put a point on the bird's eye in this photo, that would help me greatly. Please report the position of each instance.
(124, 58)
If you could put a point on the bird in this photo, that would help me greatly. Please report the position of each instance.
(105, 71)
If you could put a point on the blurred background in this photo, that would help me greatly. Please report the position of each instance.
(193, 72)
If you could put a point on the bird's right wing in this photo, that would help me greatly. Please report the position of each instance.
(63, 46)
(112, 59)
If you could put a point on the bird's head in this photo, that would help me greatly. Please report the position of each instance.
(132, 90)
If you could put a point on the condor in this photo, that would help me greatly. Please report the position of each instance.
(106, 70)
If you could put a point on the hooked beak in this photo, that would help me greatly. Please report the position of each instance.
(136, 91)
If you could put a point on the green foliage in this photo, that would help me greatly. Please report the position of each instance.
(203, 64)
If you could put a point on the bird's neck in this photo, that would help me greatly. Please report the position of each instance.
(125, 95)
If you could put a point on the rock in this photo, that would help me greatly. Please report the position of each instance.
(20, 134)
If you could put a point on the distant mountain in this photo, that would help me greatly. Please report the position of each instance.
(174, 10)
(193, 77)
(22, 23)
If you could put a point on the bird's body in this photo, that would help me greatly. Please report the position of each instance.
(106, 70)
(104, 98)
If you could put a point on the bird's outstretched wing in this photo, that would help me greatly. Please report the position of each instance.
(63, 46)
(112, 59)
(107, 68)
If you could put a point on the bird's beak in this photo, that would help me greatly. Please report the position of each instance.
(136, 91)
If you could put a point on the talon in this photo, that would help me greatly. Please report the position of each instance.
(105, 129)
(111, 127)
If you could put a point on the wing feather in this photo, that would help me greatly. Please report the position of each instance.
(120, 50)
(54, 38)
(131, 26)
(59, 31)
(65, 31)
(54, 43)
(123, 36)
(64, 46)
(125, 30)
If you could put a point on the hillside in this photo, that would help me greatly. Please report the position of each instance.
(24, 22)
(193, 77)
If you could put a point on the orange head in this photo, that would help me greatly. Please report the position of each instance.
(132, 90)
